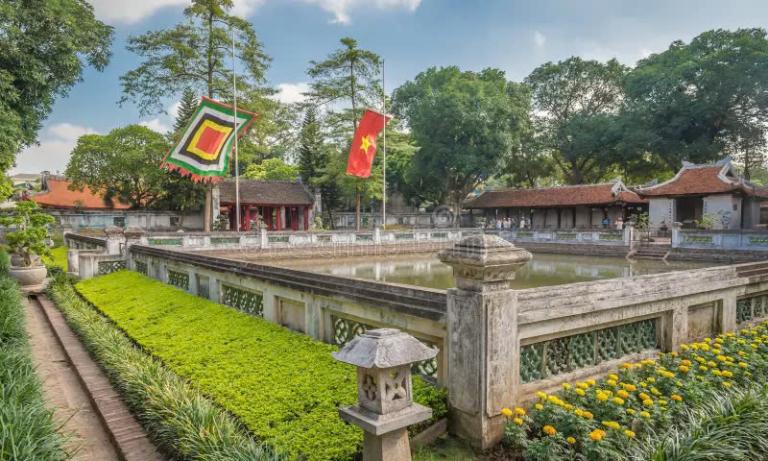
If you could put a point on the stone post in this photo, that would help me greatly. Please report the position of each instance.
(629, 231)
(377, 235)
(114, 239)
(73, 261)
(676, 237)
(264, 238)
(385, 407)
(483, 349)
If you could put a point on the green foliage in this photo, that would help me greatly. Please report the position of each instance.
(5, 262)
(56, 258)
(180, 419)
(30, 234)
(194, 55)
(272, 169)
(284, 386)
(27, 430)
(463, 123)
(187, 107)
(46, 45)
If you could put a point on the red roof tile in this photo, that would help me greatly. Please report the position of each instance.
(59, 195)
(719, 178)
(582, 195)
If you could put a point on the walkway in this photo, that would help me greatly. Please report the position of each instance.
(80, 394)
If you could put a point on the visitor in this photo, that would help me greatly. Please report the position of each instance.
(620, 223)
(498, 224)
(606, 222)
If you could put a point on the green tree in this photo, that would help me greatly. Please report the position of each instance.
(272, 169)
(45, 47)
(348, 77)
(696, 101)
(124, 164)
(312, 153)
(463, 123)
(575, 103)
(187, 107)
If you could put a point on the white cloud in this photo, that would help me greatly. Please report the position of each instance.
(156, 125)
(244, 8)
(341, 8)
(52, 154)
(539, 39)
(132, 11)
(289, 93)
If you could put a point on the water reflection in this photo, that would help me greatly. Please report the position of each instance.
(544, 269)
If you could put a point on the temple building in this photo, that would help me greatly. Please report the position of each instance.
(566, 207)
(56, 194)
(276, 205)
(711, 193)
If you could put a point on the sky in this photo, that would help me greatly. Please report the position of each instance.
(411, 35)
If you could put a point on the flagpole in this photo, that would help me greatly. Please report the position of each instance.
(234, 118)
(384, 167)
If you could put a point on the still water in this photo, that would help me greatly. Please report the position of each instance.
(544, 269)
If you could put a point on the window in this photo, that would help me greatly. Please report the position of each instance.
(118, 221)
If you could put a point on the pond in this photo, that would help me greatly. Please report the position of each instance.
(544, 269)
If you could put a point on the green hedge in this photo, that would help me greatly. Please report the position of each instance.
(284, 386)
(27, 430)
(180, 420)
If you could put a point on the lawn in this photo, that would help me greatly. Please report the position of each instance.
(57, 258)
(284, 386)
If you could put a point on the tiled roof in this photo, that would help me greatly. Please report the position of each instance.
(718, 178)
(58, 195)
(582, 195)
(266, 192)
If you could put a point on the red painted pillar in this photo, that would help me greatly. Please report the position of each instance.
(279, 215)
(268, 217)
(306, 218)
(247, 220)
(232, 218)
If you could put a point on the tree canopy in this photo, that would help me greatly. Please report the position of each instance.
(272, 169)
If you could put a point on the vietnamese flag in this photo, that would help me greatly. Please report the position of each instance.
(364, 144)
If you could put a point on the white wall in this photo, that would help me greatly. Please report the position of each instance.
(660, 211)
(726, 209)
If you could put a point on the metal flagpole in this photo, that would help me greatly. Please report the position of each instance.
(384, 163)
(234, 118)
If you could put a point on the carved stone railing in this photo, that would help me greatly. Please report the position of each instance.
(611, 237)
(739, 240)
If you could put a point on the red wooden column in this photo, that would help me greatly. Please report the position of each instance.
(279, 216)
(268, 217)
(247, 220)
(232, 218)
(306, 218)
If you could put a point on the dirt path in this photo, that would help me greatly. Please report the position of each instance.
(64, 393)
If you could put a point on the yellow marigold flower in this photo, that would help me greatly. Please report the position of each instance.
(643, 384)
(597, 435)
(627, 365)
(662, 402)
(582, 385)
(581, 392)
(570, 440)
(727, 384)
(618, 401)
(629, 434)
(722, 358)
(541, 395)
(549, 430)
(629, 387)
(602, 396)
(506, 412)
(518, 421)
(539, 406)
(578, 412)
(683, 369)
(655, 391)
(700, 359)
(651, 379)
(643, 396)
(613, 376)
(743, 365)
(568, 406)
(685, 362)
(742, 353)
(645, 414)
(612, 425)
(591, 382)
(623, 394)
(648, 402)
(610, 382)
(587, 415)
(684, 347)
(727, 373)
(676, 398)
(717, 372)
(566, 386)
(703, 368)
(519, 411)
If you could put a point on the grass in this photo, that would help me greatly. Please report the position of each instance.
(179, 418)
(57, 258)
(27, 430)
(284, 386)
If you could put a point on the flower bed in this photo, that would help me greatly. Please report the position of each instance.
(642, 403)
(284, 386)
(27, 430)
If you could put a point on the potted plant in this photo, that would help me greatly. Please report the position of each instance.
(27, 239)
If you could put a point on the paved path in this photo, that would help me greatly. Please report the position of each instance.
(80, 392)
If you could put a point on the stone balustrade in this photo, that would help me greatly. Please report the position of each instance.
(739, 240)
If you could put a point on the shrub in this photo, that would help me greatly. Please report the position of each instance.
(643, 402)
(27, 430)
(5, 263)
(284, 386)
(30, 234)
(180, 420)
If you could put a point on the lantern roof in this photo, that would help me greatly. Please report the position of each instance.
(384, 348)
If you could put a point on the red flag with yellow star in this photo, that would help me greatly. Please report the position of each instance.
(364, 144)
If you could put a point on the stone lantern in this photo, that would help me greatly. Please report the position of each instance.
(114, 239)
(385, 407)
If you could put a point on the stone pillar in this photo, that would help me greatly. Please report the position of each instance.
(73, 261)
(676, 237)
(264, 238)
(115, 240)
(377, 235)
(385, 407)
(628, 234)
(482, 345)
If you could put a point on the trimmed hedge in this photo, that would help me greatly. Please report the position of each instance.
(27, 430)
(181, 421)
(284, 386)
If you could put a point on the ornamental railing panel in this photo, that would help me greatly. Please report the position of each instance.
(163, 241)
(225, 240)
(107, 267)
(248, 301)
(141, 267)
(751, 308)
(562, 355)
(178, 279)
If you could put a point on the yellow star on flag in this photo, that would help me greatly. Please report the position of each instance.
(366, 143)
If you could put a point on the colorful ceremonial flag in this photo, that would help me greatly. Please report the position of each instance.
(364, 144)
(204, 149)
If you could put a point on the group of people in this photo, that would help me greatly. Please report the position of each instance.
(507, 223)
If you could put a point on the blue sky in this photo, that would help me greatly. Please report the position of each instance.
(513, 35)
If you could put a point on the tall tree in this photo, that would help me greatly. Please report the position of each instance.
(312, 155)
(463, 123)
(45, 45)
(195, 54)
(697, 100)
(347, 77)
(187, 107)
(123, 164)
(272, 169)
(575, 102)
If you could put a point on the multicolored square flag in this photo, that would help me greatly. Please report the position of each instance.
(363, 148)
(204, 149)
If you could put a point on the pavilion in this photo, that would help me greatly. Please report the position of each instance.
(565, 207)
(278, 205)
